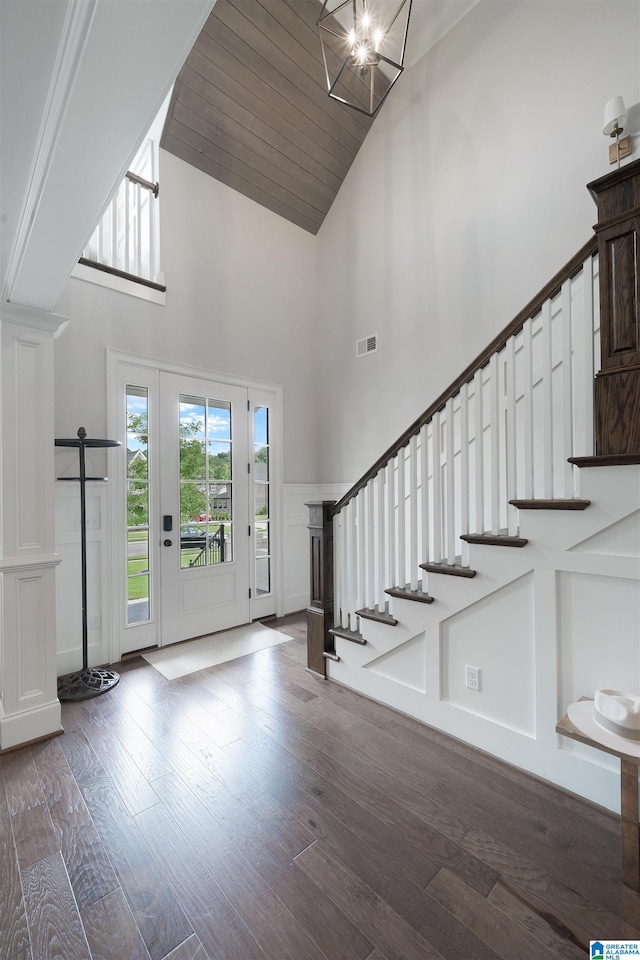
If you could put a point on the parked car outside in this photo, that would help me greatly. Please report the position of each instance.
(192, 536)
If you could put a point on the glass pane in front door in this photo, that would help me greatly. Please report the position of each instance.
(206, 482)
(138, 559)
(261, 500)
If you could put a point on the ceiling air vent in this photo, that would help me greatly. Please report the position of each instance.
(366, 345)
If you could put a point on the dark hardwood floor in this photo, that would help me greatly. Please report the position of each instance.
(251, 811)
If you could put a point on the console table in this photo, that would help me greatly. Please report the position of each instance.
(628, 801)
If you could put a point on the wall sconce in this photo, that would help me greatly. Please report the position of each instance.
(615, 118)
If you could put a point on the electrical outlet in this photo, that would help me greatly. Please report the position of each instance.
(95, 622)
(472, 677)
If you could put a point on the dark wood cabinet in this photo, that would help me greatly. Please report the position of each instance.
(617, 386)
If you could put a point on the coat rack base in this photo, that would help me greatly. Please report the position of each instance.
(87, 683)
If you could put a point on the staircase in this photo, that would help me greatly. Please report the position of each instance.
(481, 544)
(498, 443)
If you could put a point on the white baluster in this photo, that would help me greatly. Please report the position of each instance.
(464, 468)
(547, 401)
(567, 392)
(511, 448)
(362, 547)
(592, 319)
(338, 567)
(494, 394)
(115, 227)
(100, 244)
(413, 512)
(346, 567)
(478, 443)
(527, 410)
(344, 606)
(402, 520)
(583, 364)
(437, 488)
(138, 230)
(127, 214)
(383, 537)
(371, 550)
(352, 562)
(424, 490)
(450, 516)
(391, 524)
(154, 238)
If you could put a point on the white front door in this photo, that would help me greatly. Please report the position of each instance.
(205, 562)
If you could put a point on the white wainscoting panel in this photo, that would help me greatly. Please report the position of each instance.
(496, 636)
(29, 706)
(545, 624)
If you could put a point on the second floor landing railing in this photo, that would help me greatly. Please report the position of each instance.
(126, 241)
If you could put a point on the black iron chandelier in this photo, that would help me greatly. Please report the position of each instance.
(363, 45)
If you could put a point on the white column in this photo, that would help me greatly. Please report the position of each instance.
(29, 706)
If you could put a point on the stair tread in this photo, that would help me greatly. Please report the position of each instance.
(406, 593)
(606, 460)
(501, 539)
(453, 569)
(573, 504)
(372, 613)
(352, 635)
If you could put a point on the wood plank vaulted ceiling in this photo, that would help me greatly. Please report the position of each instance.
(250, 108)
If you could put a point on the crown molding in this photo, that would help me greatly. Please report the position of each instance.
(53, 323)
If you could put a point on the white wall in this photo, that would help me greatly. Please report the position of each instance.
(240, 300)
(466, 197)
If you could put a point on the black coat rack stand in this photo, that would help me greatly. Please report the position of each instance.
(90, 681)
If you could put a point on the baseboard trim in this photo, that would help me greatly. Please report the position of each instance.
(30, 726)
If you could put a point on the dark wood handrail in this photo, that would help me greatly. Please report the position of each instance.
(105, 268)
(570, 270)
(153, 187)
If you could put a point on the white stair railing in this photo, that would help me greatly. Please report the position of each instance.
(126, 240)
(505, 434)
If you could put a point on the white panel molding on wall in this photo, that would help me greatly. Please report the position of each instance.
(545, 624)
(29, 706)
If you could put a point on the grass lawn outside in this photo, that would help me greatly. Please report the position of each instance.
(137, 567)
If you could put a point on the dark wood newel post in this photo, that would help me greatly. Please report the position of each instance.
(320, 609)
(617, 386)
